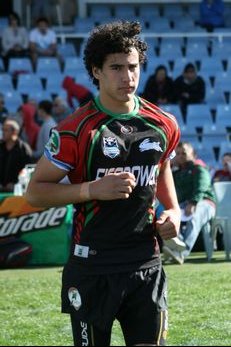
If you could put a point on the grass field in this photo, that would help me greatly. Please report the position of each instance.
(199, 305)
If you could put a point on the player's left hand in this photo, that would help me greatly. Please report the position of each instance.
(168, 224)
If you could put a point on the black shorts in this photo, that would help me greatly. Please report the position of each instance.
(136, 299)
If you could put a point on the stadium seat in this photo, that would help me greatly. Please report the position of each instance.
(29, 83)
(148, 11)
(214, 96)
(67, 49)
(124, 11)
(223, 115)
(54, 83)
(169, 50)
(72, 65)
(13, 100)
(175, 110)
(195, 50)
(84, 25)
(39, 95)
(46, 66)
(210, 65)
(99, 11)
(183, 24)
(198, 115)
(6, 82)
(171, 11)
(20, 64)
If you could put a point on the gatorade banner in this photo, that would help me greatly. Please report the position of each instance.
(47, 230)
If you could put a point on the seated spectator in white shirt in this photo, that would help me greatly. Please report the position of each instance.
(43, 41)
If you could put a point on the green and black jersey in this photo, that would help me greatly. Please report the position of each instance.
(118, 235)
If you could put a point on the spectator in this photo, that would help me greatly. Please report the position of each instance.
(212, 14)
(76, 91)
(48, 122)
(14, 155)
(60, 109)
(224, 174)
(43, 42)
(159, 87)
(189, 88)
(15, 41)
(3, 110)
(30, 128)
(196, 198)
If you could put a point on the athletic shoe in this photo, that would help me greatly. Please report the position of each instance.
(176, 256)
(175, 244)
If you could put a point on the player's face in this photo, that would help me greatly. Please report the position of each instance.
(118, 78)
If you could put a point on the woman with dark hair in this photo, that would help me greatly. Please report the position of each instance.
(14, 39)
(158, 88)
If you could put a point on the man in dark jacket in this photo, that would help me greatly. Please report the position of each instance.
(189, 88)
(14, 155)
(195, 196)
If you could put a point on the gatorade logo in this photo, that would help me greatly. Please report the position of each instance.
(16, 215)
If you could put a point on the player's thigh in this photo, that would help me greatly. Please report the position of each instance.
(143, 316)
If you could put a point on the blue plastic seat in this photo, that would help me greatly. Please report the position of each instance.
(54, 83)
(72, 65)
(13, 100)
(28, 83)
(195, 50)
(46, 66)
(20, 64)
(198, 115)
(223, 115)
(99, 11)
(6, 82)
(124, 11)
(67, 49)
(148, 11)
(210, 65)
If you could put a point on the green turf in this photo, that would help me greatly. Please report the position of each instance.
(199, 305)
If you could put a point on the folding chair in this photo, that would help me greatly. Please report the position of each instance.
(222, 219)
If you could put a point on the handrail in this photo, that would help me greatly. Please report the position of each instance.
(219, 35)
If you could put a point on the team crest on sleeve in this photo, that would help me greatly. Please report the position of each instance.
(53, 144)
(110, 147)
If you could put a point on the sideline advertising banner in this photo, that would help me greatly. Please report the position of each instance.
(46, 230)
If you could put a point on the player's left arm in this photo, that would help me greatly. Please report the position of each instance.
(168, 224)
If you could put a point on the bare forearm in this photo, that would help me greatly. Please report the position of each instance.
(57, 194)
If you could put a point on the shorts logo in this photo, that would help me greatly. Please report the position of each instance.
(53, 144)
(110, 147)
(75, 298)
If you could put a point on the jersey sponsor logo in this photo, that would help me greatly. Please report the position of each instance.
(53, 145)
(147, 145)
(75, 298)
(110, 147)
(145, 175)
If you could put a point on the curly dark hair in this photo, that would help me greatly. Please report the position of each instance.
(114, 37)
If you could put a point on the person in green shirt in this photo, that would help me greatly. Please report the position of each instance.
(196, 198)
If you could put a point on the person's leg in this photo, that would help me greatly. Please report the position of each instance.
(203, 214)
(143, 314)
(85, 334)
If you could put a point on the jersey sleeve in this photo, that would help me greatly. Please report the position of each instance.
(173, 137)
(62, 149)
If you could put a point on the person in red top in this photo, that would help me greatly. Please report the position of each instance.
(116, 152)
(76, 91)
(224, 174)
(30, 127)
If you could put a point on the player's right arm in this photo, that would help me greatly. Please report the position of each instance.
(45, 189)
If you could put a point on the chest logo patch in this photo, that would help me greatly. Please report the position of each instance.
(53, 144)
(147, 145)
(110, 147)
